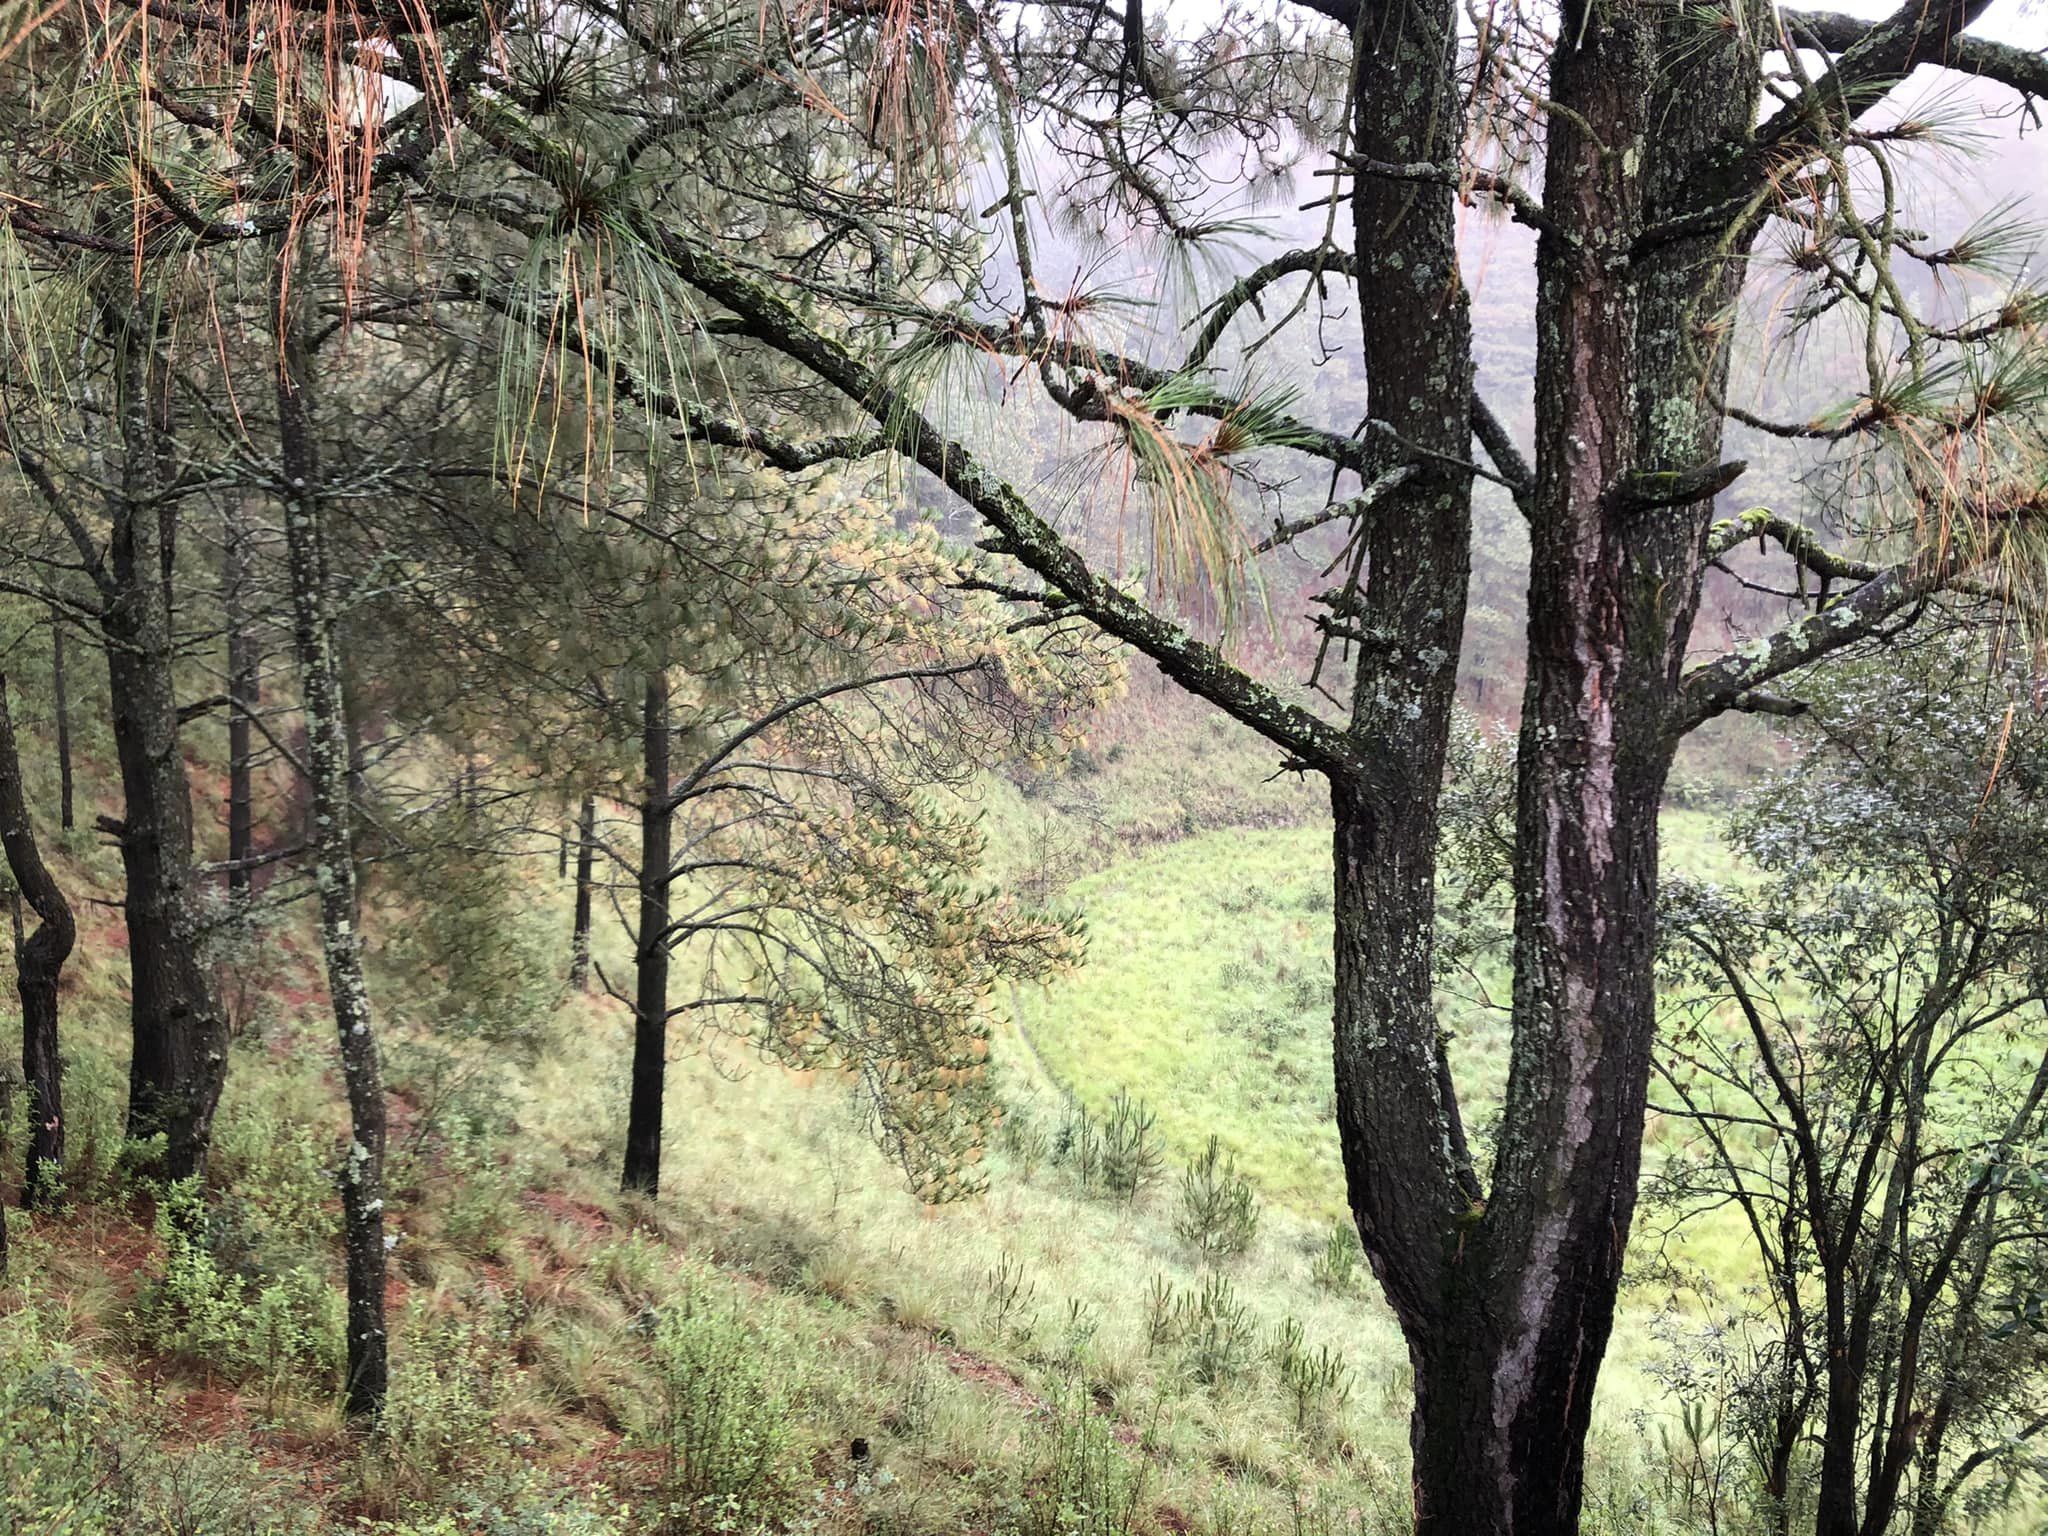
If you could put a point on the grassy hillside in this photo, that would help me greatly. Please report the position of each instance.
(785, 1340)
(1208, 993)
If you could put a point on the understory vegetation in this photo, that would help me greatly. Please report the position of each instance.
(1152, 1323)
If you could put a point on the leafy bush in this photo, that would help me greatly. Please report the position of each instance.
(1218, 1212)
(73, 1460)
(724, 1420)
(50, 1419)
(243, 1328)
(438, 1431)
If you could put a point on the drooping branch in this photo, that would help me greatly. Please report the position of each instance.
(1024, 534)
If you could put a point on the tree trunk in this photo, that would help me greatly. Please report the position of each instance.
(65, 816)
(245, 685)
(1507, 1303)
(586, 852)
(180, 1031)
(642, 1170)
(39, 961)
(362, 1179)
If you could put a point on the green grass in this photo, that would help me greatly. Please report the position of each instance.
(1207, 994)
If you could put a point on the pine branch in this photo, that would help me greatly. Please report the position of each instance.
(2026, 72)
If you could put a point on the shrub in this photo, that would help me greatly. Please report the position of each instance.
(1084, 1486)
(1131, 1158)
(281, 1168)
(241, 1327)
(1218, 1212)
(724, 1421)
(438, 1419)
(50, 1418)
(72, 1460)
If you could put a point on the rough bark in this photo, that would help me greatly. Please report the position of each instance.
(180, 1030)
(642, 1171)
(61, 701)
(586, 854)
(245, 661)
(1508, 1303)
(39, 963)
(334, 870)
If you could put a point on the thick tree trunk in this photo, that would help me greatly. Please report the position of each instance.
(60, 698)
(39, 962)
(642, 1170)
(180, 1031)
(586, 853)
(1507, 1303)
(245, 684)
(362, 1178)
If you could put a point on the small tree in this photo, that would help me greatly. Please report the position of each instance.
(38, 963)
(1860, 1069)
(1218, 1212)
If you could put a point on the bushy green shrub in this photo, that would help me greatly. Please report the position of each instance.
(74, 1460)
(51, 1416)
(200, 1309)
(1218, 1212)
(280, 1167)
(724, 1419)
(438, 1429)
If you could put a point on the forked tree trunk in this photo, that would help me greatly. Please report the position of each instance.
(586, 854)
(642, 1170)
(39, 963)
(1507, 1303)
(334, 871)
(180, 1054)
